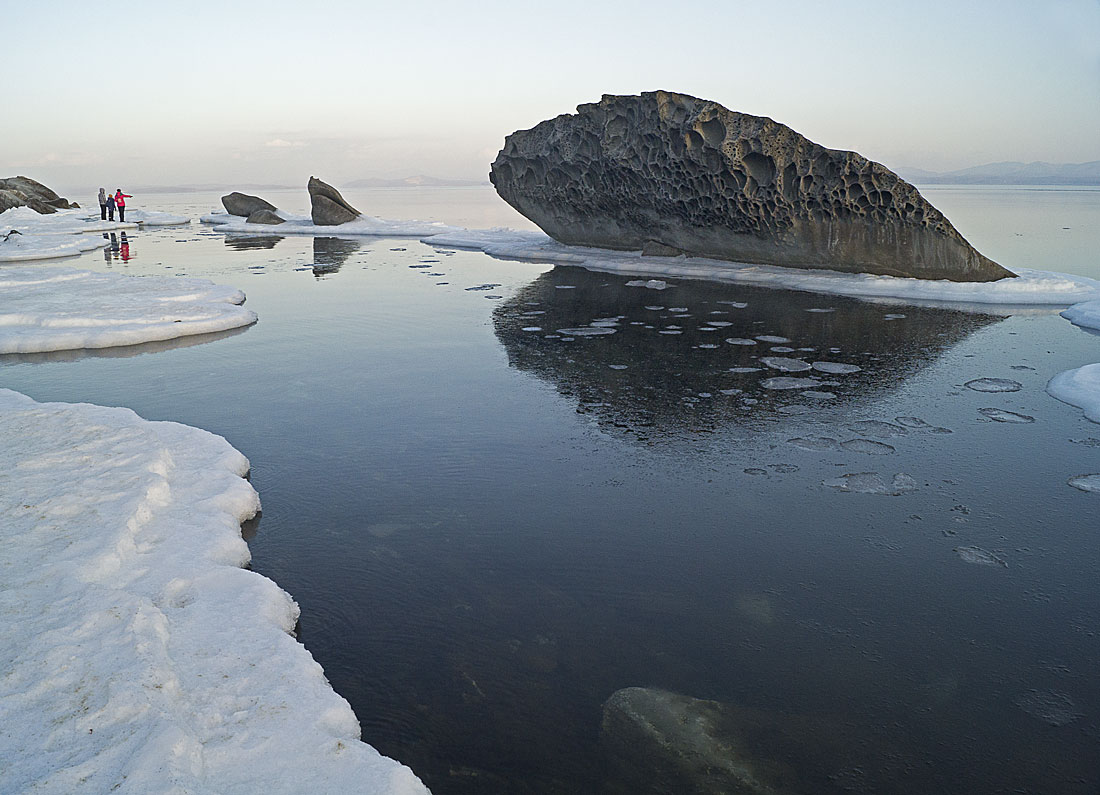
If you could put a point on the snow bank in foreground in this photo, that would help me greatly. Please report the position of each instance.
(137, 655)
(299, 225)
(55, 309)
(1085, 314)
(1031, 288)
(32, 247)
(1080, 388)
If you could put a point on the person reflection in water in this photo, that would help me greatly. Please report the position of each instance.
(124, 248)
(106, 248)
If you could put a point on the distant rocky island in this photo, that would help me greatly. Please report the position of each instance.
(1011, 173)
(328, 207)
(26, 192)
(670, 174)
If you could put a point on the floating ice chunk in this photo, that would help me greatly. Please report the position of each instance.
(586, 331)
(740, 341)
(617, 366)
(1001, 415)
(51, 309)
(815, 443)
(1085, 314)
(883, 430)
(706, 346)
(836, 368)
(719, 323)
(772, 338)
(745, 369)
(1056, 709)
(893, 317)
(138, 655)
(482, 287)
(670, 331)
(731, 391)
(993, 385)
(565, 287)
(785, 364)
(532, 328)
(873, 483)
(818, 395)
(821, 309)
(1080, 388)
(1090, 483)
(980, 557)
(867, 446)
(734, 304)
(651, 284)
(789, 382)
(677, 309)
(918, 424)
(781, 349)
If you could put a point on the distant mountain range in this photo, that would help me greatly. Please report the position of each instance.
(1010, 173)
(419, 181)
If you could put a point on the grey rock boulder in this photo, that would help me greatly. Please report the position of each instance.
(26, 192)
(672, 174)
(265, 216)
(328, 207)
(242, 204)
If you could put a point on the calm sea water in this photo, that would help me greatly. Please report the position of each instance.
(492, 528)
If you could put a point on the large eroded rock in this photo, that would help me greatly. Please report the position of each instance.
(672, 174)
(26, 192)
(328, 206)
(242, 204)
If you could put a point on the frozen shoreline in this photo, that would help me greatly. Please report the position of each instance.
(67, 233)
(138, 655)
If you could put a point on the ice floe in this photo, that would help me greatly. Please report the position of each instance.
(980, 557)
(1090, 483)
(1003, 415)
(873, 483)
(1031, 287)
(993, 385)
(1085, 314)
(1080, 388)
(55, 309)
(785, 364)
(138, 655)
(365, 225)
(62, 234)
(652, 284)
(20, 247)
(836, 368)
(789, 382)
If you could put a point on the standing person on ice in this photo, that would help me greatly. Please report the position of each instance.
(110, 207)
(120, 202)
(102, 204)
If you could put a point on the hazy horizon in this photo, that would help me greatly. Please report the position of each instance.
(269, 93)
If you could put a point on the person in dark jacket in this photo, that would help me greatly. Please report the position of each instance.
(110, 207)
(120, 203)
(102, 204)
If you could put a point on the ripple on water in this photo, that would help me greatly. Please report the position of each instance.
(1056, 709)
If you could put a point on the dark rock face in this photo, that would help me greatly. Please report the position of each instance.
(329, 207)
(672, 174)
(25, 192)
(264, 216)
(244, 205)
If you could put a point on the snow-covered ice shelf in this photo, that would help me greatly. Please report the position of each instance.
(299, 225)
(137, 655)
(1080, 388)
(1085, 315)
(45, 308)
(1033, 287)
(62, 234)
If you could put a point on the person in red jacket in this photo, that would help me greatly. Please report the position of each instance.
(120, 203)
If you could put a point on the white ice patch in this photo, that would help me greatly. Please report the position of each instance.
(652, 284)
(1080, 388)
(980, 557)
(586, 331)
(772, 338)
(789, 382)
(1002, 415)
(53, 309)
(785, 364)
(739, 341)
(138, 656)
(364, 225)
(873, 483)
(836, 368)
(1090, 483)
(1085, 314)
(1031, 287)
(21, 247)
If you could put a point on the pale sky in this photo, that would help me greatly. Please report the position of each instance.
(272, 91)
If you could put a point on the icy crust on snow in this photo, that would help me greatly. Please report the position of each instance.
(1033, 287)
(366, 225)
(137, 655)
(1085, 314)
(1080, 388)
(55, 309)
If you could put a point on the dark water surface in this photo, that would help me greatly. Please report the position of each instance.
(491, 525)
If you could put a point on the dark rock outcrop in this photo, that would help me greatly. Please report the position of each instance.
(26, 192)
(670, 174)
(265, 216)
(328, 206)
(244, 205)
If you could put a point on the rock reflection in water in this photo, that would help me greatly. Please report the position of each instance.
(251, 242)
(330, 253)
(607, 345)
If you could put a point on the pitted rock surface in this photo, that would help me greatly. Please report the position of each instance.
(244, 205)
(672, 174)
(328, 206)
